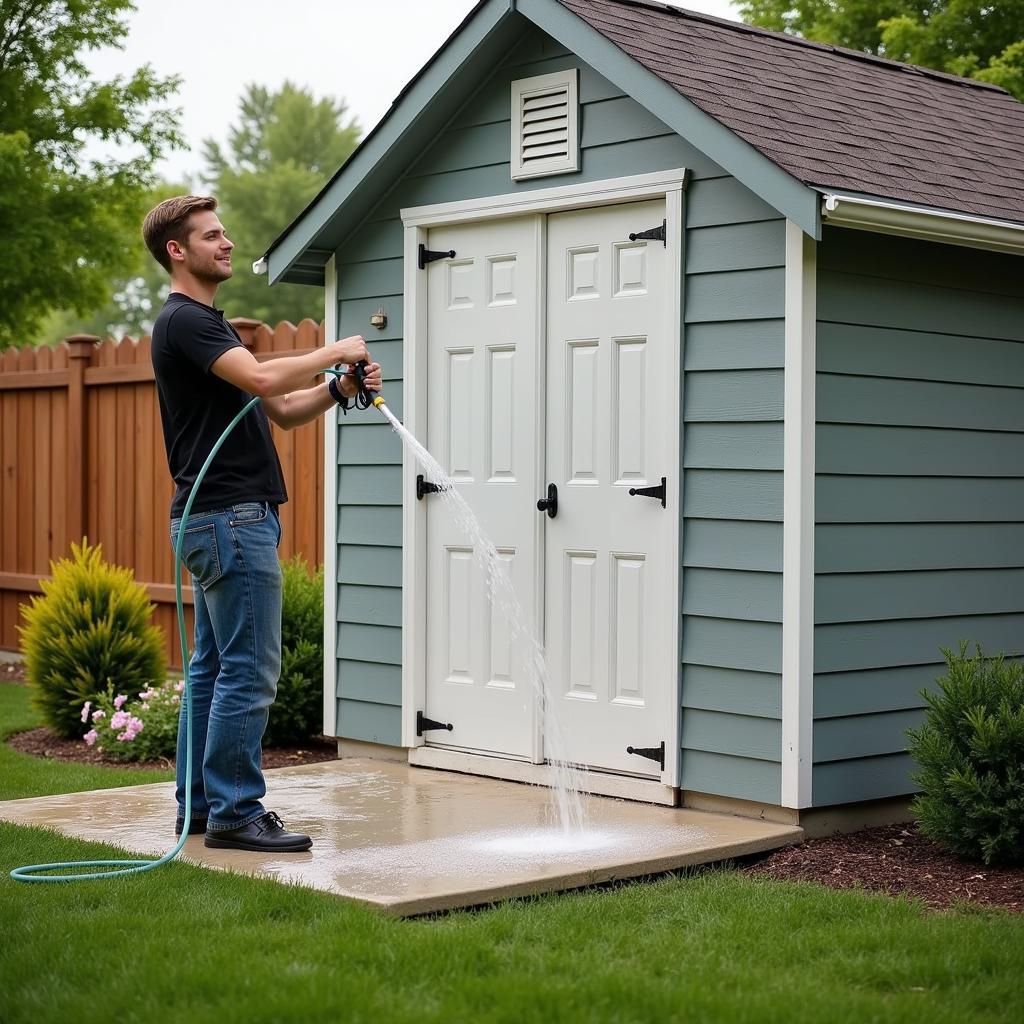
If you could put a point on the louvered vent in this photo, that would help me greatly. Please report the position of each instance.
(544, 125)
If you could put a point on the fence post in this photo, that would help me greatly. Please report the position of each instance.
(246, 328)
(81, 348)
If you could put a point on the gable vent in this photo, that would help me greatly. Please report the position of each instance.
(545, 116)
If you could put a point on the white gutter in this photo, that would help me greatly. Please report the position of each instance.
(919, 222)
(260, 266)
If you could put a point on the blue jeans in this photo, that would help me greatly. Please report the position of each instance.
(236, 578)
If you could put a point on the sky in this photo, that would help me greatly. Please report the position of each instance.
(362, 52)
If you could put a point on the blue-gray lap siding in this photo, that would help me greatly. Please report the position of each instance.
(732, 409)
(919, 537)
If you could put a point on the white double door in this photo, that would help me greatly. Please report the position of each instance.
(550, 362)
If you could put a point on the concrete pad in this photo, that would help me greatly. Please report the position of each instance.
(410, 840)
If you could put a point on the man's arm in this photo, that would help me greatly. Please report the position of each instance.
(299, 407)
(285, 374)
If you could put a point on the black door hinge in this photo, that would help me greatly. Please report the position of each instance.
(650, 492)
(429, 255)
(657, 234)
(426, 487)
(651, 753)
(424, 724)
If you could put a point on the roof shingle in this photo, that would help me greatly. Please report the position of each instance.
(832, 117)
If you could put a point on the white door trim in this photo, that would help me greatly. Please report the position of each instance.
(667, 185)
(798, 519)
(330, 517)
(549, 200)
(623, 787)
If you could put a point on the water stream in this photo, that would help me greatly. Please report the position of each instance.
(567, 805)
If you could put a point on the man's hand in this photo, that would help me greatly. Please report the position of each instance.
(350, 350)
(372, 381)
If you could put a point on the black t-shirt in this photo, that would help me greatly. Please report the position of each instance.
(196, 405)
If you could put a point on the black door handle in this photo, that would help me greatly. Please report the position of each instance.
(550, 503)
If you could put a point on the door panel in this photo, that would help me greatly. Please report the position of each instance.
(609, 588)
(482, 413)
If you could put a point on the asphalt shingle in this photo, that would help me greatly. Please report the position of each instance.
(832, 117)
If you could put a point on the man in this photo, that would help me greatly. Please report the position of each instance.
(204, 377)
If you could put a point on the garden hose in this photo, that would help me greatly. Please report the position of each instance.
(34, 872)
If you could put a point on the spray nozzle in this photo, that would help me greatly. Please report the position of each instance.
(365, 397)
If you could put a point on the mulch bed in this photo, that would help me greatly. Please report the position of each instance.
(42, 742)
(893, 859)
(898, 860)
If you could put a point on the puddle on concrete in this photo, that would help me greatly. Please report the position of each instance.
(480, 858)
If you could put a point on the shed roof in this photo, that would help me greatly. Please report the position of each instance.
(833, 117)
(784, 115)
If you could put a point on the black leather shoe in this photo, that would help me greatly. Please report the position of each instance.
(264, 835)
(197, 826)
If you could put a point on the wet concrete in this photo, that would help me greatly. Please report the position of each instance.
(411, 840)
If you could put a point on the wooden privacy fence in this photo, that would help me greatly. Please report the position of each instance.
(83, 456)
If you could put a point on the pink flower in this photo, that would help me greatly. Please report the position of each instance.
(180, 685)
(132, 727)
(98, 714)
(119, 701)
(91, 736)
(119, 719)
(85, 710)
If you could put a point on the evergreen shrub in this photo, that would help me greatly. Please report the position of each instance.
(970, 756)
(91, 629)
(297, 713)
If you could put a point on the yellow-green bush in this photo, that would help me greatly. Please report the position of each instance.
(91, 629)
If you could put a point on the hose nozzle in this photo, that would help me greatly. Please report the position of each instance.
(368, 396)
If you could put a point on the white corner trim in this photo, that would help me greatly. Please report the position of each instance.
(549, 200)
(330, 517)
(919, 222)
(798, 520)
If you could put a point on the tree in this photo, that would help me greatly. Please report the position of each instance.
(973, 38)
(135, 297)
(62, 215)
(280, 154)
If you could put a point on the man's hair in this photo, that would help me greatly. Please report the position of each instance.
(168, 220)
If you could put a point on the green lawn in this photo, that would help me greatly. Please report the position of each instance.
(184, 944)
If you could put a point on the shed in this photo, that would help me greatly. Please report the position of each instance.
(777, 285)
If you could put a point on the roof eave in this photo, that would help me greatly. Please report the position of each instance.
(889, 216)
(291, 255)
(787, 194)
